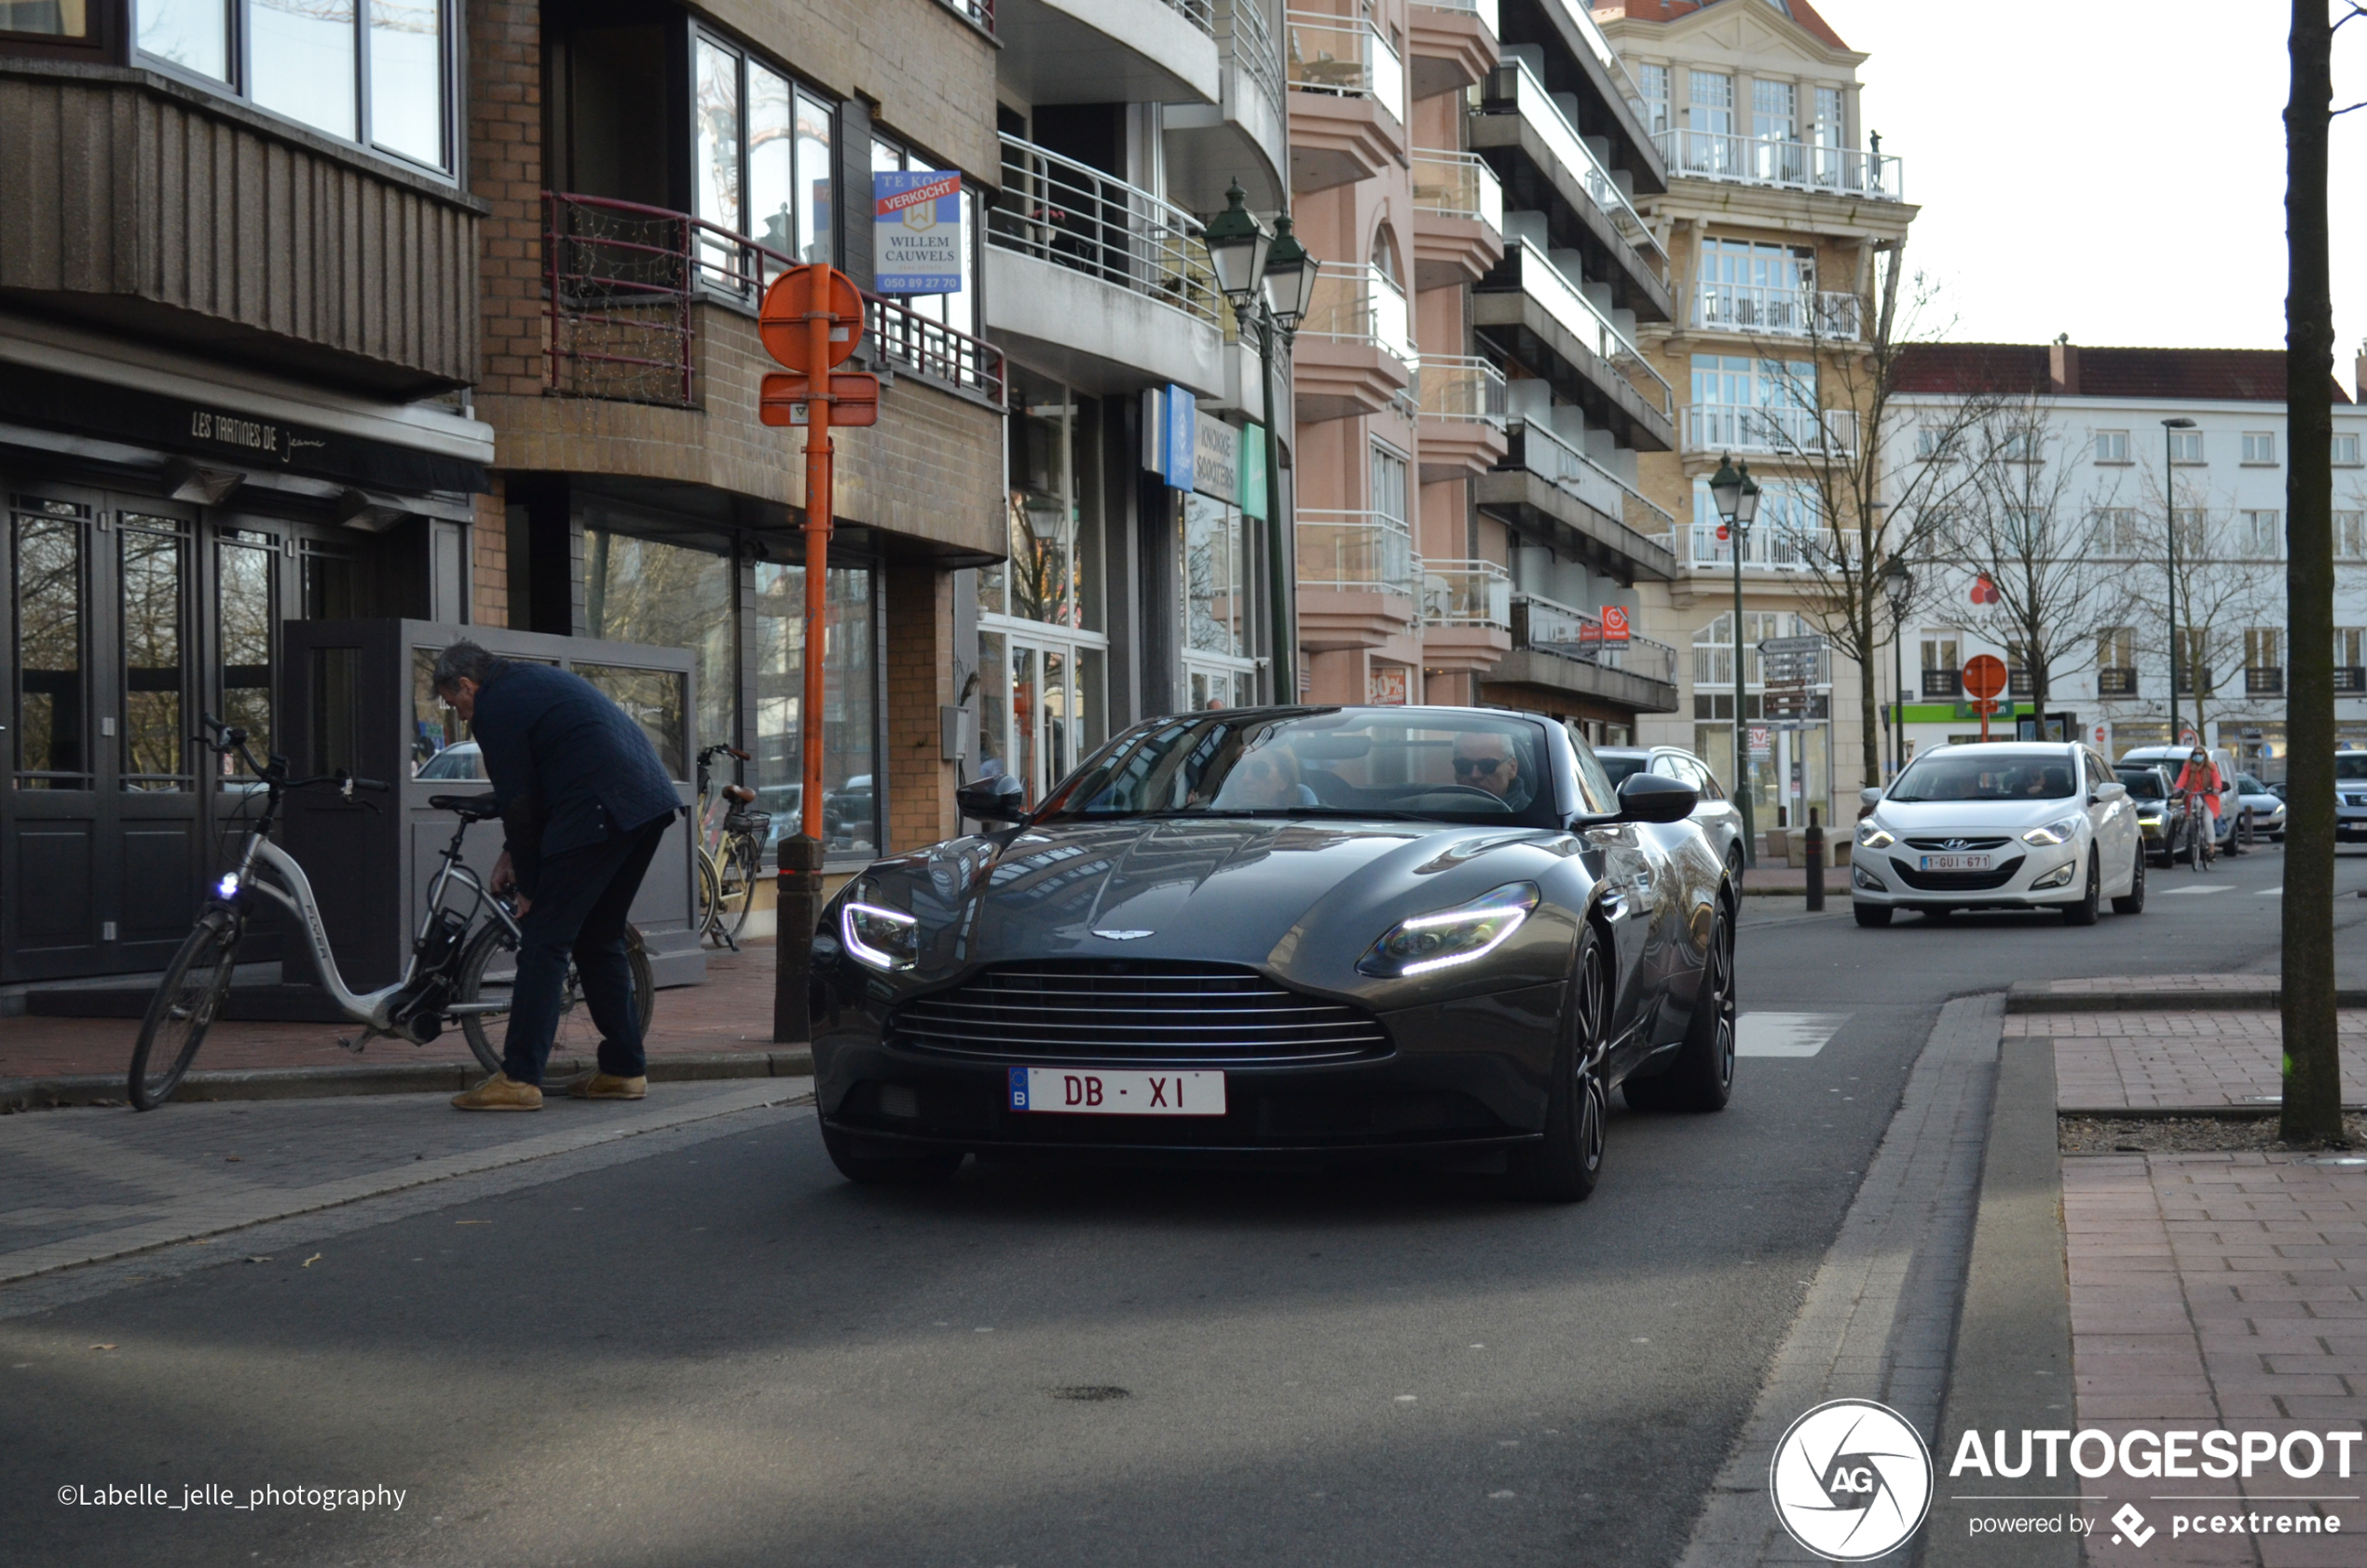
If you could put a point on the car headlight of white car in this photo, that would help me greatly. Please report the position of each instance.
(1422, 943)
(884, 939)
(1872, 835)
(2053, 833)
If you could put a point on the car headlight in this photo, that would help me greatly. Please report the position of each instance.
(2054, 832)
(1422, 943)
(883, 939)
(2149, 819)
(1872, 835)
(2060, 877)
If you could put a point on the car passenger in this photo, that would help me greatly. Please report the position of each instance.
(1267, 778)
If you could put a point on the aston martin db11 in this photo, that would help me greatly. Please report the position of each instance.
(1302, 931)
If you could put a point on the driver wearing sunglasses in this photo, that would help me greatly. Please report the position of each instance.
(1484, 759)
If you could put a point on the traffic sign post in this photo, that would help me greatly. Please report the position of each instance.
(812, 319)
(1984, 678)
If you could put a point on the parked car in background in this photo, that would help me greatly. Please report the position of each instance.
(2229, 828)
(2350, 797)
(2164, 827)
(458, 761)
(2268, 810)
(1719, 818)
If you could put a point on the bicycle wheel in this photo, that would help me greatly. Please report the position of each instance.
(487, 970)
(709, 896)
(742, 872)
(186, 1003)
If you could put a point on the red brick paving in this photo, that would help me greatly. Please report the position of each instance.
(2159, 1059)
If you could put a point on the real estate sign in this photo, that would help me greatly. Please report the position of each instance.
(916, 231)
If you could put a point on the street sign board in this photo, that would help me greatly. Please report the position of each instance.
(1785, 702)
(1984, 674)
(1792, 660)
(785, 400)
(780, 322)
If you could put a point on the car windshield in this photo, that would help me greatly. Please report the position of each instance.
(2350, 765)
(1339, 763)
(2145, 784)
(1970, 776)
(454, 762)
(1620, 769)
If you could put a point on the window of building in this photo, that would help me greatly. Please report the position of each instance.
(960, 309)
(46, 18)
(2350, 535)
(2112, 446)
(2116, 647)
(1709, 122)
(2257, 533)
(2191, 523)
(2259, 447)
(2263, 647)
(2186, 446)
(760, 165)
(1831, 132)
(1775, 127)
(2346, 451)
(2113, 530)
(850, 772)
(1652, 82)
(2350, 653)
(309, 59)
(1215, 578)
(670, 595)
(1754, 285)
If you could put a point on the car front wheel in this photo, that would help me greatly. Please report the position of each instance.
(2133, 901)
(2090, 902)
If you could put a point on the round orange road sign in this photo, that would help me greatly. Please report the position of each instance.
(781, 320)
(1984, 674)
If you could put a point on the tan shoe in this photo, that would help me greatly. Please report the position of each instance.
(500, 1091)
(607, 1086)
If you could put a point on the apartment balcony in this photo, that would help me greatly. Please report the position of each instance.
(1459, 219)
(1766, 547)
(1801, 166)
(1346, 100)
(2117, 680)
(1806, 314)
(1558, 653)
(1098, 280)
(1245, 135)
(1549, 492)
(1460, 429)
(1354, 353)
(1530, 310)
(1467, 615)
(1947, 685)
(1102, 51)
(1357, 582)
(179, 218)
(1548, 167)
(1773, 429)
(2265, 681)
(1451, 42)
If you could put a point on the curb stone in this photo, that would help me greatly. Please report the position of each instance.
(395, 1078)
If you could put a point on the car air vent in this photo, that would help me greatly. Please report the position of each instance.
(1956, 846)
(1957, 882)
(1150, 1012)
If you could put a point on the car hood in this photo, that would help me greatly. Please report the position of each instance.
(1972, 818)
(1205, 889)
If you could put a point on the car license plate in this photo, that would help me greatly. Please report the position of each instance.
(1956, 862)
(1080, 1092)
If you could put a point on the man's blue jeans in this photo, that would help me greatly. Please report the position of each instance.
(579, 905)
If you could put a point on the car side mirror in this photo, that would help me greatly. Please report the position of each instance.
(1869, 796)
(2108, 793)
(1653, 797)
(1001, 798)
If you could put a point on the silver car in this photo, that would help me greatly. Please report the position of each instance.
(2267, 812)
(2026, 825)
(1720, 820)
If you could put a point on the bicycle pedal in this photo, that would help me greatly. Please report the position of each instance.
(350, 1043)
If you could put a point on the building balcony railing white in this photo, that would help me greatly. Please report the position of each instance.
(1514, 83)
(1364, 305)
(1752, 160)
(1343, 56)
(1586, 321)
(1484, 10)
(1828, 314)
(1782, 430)
(1197, 12)
(1462, 386)
(1467, 593)
(1456, 185)
(1548, 457)
(1074, 215)
(1772, 549)
(1247, 41)
(1543, 625)
(1355, 552)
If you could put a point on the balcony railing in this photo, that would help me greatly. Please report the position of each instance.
(1467, 593)
(1543, 625)
(1458, 185)
(1584, 321)
(2182, 679)
(1766, 547)
(1344, 57)
(1513, 87)
(979, 11)
(1247, 41)
(1545, 454)
(1776, 312)
(1462, 386)
(1783, 430)
(1361, 304)
(2117, 680)
(1944, 683)
(1484, 10)
(2350, 680)
(1199, 13)
(2020, 683)
(1752, 160)
(1355, 552)
(2264, 680)
(1074, 215)
(620, 280)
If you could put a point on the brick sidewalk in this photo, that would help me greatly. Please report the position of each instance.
(2221, 1290)
(732, 1011)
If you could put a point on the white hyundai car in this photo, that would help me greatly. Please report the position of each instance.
(2000, 826)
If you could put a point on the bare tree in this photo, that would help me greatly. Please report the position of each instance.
(2222, 594)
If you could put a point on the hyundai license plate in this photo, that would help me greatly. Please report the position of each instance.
(1956, 862)
(1098, 1092)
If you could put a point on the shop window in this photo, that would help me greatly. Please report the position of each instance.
(669, 595)
(46, 18)
(309, 59)
(652, 698)
(850, 775)
(47, 587)
(245, 611)
(762, 163)
(1213, 576)
(1043, 579)
(153, 577)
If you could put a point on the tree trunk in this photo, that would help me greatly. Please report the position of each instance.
(2313, 1067)
(1868, 733)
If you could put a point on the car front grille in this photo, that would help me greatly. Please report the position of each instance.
(1956, 846)
(1957, 882)
(1147, 1012)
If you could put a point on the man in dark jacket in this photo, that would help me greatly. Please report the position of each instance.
(585, 802)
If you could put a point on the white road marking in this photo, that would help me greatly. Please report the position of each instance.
(1785, 1034)
(2195, 892)
(2270, 893)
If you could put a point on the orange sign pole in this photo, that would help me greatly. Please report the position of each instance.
(818, 450)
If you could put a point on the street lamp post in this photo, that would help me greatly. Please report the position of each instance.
(1736, 498)
(2169, 503)
(1247, 261)
(1898, 587)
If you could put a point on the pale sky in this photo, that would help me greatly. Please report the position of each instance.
(2113, 169)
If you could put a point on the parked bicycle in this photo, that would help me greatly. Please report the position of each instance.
(731, 850)
(460, 968)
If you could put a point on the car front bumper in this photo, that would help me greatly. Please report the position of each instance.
(1892, 878)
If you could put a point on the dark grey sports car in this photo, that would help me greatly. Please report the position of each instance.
(1286, 930)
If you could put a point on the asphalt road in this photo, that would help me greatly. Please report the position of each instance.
(723, 1354)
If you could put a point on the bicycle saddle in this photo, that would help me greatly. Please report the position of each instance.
(740, 792)
(476, 808)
